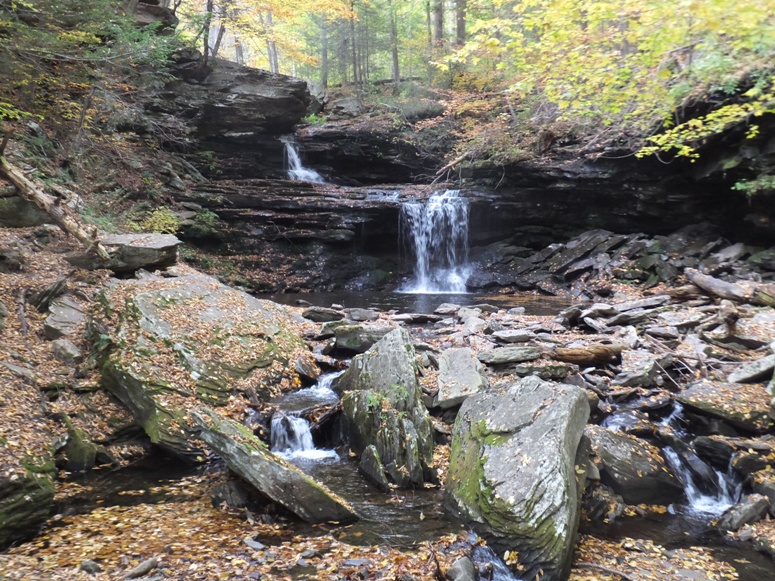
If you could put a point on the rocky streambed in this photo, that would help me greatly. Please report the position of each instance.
(525, 427)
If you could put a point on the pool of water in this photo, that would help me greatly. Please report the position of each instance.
(422, 303)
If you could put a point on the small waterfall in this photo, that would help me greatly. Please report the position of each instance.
(435, 235)
(291, 438)
(711, 495)
(296, 171)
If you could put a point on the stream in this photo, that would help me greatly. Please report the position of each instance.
(434, 237)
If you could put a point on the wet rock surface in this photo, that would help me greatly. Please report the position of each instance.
(517, 471)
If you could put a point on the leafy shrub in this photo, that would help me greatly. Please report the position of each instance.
(161, 220)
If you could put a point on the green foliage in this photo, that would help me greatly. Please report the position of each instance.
(205, 224)
(314, 119)
(763, 184)
(161, 220)
(683, 139)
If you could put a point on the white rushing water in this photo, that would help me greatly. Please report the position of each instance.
(291, 438)
(725, 490)
(435, 235)
(296, 171)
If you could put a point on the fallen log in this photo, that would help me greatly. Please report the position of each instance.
(589, 355)
(32, 192)
(743, 291)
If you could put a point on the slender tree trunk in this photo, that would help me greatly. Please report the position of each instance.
(460, 22)
(438, 22)
(218, 39)
(324, 51)
(353, 47)
(394, 43)
(271, 46)
(239, 54)
(428, 22)
(206, 32)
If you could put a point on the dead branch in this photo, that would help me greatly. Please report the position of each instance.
(456, 161)
(589, 355)
(34, 193)
(604, 570)
(21, 299)
(742, 291)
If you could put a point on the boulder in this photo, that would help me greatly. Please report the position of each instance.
(757, 370)
(633, 468)
(744, 406)
(359, 338)
(504, 355)
(382, 406)
(272, 476)
(322, 314)
(26, 498)
(748, 511)
(641, 368)
(66, 351)
(131, 252)
(517, 471)
(65, 317)
(168, 344)
(460, 376)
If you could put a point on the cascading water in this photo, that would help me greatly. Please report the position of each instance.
(711, 497)
(291, 438)
(435, 236)
(296, 171)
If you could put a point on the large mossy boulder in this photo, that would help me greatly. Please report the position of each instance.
(169, 344)
(382, 407)
(517, 470)
(272, 476)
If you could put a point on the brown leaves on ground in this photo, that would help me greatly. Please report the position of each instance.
(600, 560)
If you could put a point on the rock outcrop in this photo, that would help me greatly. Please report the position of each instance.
(517, 470)
(275, 478)
(382, 406)
(168, 344)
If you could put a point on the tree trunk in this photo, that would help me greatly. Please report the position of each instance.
(239, 55)
(353, 48)
(274, 63)
(206, 33)
(324, 51)
(218, 39)
(438, 23)
(34, 193)
(394, 42)
(460, 22)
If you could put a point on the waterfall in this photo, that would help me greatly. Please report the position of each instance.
(435, 236)
(296, 171)
(291, 438)
(712, 495)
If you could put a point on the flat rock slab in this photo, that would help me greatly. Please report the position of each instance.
(65, 317)
(745, 406)
(131, 252)
(322, 314)
(460, 376)
(504, 355)
(269, 474)
(758, 370)
(640, 368)
(514, 336)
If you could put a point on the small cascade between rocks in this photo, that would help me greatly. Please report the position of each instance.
(708, 491)
(434, 235)
(296, 171)
(291, 438)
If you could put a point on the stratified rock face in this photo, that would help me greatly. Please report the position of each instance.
(382, 407)
(517, 470)
(170, 344)
(237, 114)
(269, 474)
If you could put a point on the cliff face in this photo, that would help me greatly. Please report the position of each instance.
(328, 237)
